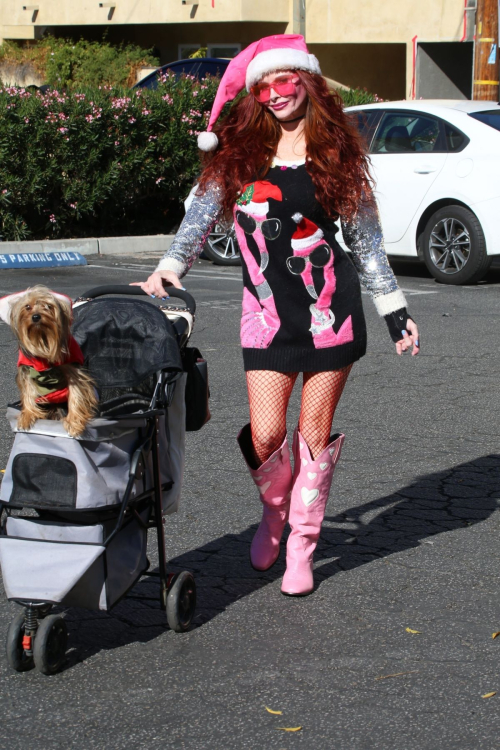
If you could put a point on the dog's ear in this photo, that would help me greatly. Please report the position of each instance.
(6, 304)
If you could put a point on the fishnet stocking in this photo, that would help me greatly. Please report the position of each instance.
(321, 392)
(268, 395)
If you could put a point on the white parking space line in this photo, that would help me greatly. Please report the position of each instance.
(198, 273)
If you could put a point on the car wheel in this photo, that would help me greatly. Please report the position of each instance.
(454, 248)
(221, 246)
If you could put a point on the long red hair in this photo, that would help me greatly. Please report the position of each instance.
(336, 160)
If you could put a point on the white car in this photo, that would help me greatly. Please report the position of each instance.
(436, 166)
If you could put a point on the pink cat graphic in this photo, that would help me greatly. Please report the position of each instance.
(260, 321)
(310, 249)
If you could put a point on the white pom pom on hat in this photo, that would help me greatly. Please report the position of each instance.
(207, 141)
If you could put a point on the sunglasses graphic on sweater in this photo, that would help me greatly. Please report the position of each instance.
(318, 258)
(270, 228)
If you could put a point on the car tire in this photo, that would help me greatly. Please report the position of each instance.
(454, 247)
(221, 246)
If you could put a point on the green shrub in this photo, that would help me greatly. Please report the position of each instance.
(66, 64)
(355, 97)
(99, 162)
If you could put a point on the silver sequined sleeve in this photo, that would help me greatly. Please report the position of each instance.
(363, 236)
(193, 232)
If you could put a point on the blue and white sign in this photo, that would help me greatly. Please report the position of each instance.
(41, 260)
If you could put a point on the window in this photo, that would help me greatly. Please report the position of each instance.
(400, 133)
(455, 139)
(185, 50)
(366, 122)
(491, 118)
(223, 50)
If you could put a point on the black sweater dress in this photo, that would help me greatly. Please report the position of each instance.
(301, 309)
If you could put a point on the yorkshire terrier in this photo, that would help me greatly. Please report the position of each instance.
(50, 373)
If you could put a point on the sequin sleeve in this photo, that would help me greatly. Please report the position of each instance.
(193, 232)
(363, 236)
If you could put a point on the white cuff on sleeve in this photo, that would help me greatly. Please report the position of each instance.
(388, 303)
(171, 264)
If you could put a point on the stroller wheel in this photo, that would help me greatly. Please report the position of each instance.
(51, 640)
(181, 602)
(17, 657)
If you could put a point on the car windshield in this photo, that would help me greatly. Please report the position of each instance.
(490, 117)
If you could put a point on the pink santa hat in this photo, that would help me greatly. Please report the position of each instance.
(7, 302)
(272, 53)
(306, 234)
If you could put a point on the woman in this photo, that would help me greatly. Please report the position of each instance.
(287, 163)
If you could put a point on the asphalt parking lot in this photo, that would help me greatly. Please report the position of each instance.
(410, 543)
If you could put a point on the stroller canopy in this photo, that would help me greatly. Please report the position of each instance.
(124, 341)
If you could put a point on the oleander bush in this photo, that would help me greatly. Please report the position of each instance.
(100, 162)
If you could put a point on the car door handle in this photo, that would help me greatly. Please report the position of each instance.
(425, 169)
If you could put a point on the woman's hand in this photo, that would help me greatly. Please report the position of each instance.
(410, 339)
(154, 286)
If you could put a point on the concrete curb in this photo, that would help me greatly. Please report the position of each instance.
(153, 244)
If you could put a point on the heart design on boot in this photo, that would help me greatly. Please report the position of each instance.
(331, 451)
(308, 496)
(323, 466)
(312, 474)
(264, 487)
(304, 462)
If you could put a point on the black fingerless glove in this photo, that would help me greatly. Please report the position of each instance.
(397, 322)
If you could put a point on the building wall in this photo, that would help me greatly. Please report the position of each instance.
(379, 68)
(365, 43)
(383, 21)
(83, 12)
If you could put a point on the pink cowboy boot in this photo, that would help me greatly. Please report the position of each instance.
(274, 481)
(311, 486)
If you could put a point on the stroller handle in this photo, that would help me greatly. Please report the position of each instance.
(100, 291)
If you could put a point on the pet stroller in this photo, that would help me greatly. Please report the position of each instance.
(75, 512)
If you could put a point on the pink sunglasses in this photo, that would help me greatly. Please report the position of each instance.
(284, 86)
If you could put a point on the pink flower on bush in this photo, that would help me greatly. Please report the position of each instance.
(131, 120)
(52, 219)
(62, 130)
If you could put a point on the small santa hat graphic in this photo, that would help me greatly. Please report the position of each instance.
(267, 55)
(255, 197)
(7, 302)
(306, 234)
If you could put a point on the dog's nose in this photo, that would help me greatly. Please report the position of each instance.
(36, 318)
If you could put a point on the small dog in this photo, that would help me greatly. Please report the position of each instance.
(49, 365)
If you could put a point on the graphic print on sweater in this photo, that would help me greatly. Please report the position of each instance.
(310, 250)
(260, 321)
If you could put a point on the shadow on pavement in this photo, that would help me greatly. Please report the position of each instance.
(435, 503)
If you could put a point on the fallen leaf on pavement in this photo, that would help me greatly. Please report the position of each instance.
(290, 729)
(270, 710)
(495, 635)
(415, 632)
(397, 674)
(489, 695)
